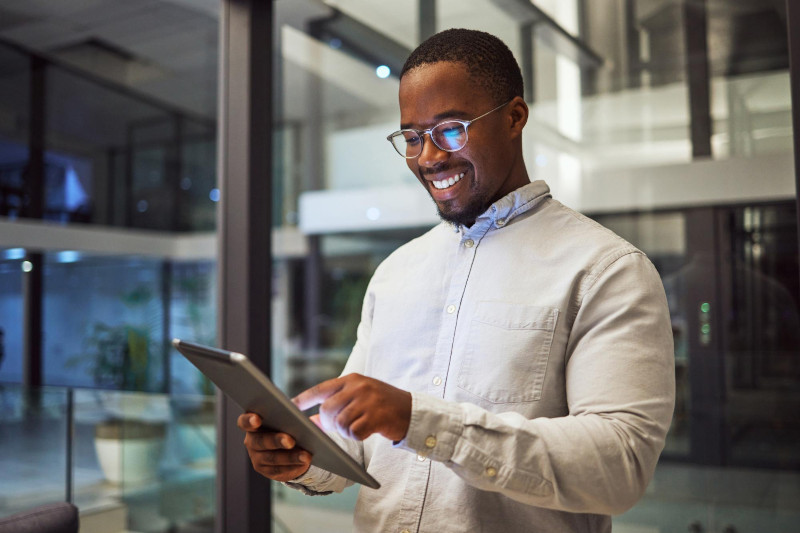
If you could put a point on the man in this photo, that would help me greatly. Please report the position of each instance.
(513, 369)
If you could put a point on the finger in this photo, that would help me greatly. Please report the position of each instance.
(260, 441)
(283, 473)
(316, 420)
(267, 459)
(329, 410)
(318, 393)
(361, 428)
(346, 417)
(248, 421)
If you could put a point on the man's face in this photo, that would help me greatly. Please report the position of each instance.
(436, 92)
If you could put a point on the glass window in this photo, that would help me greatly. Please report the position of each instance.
(193, 317)
(108, 117)
(621, 110)
(14, 128)
(117, 340)
(11, 309)
(33, 447)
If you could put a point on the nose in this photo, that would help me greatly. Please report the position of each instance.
(431, 154)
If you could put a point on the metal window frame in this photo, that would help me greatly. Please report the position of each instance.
(244, 222)
(793, 32)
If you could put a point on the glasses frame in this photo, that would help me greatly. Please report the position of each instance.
(422, 133)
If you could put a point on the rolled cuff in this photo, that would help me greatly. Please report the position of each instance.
(434, 429)
(314, 482)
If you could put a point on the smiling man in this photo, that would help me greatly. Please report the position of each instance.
(513, 369)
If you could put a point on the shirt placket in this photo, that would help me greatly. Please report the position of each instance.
(417, 487)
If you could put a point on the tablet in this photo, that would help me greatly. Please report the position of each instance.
(253, 391)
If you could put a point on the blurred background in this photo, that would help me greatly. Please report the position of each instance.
(669, 121)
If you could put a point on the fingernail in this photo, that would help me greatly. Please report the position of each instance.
(252, 420)
(304, 457)
(286, 442)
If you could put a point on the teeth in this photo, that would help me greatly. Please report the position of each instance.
(448, 182)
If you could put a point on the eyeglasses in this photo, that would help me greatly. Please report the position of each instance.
(450, 136)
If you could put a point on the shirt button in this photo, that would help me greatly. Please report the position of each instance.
(421, 458)
(491, 472)
(469, 243)
(430, 442)
(451, 309)
(437, 380)
(405, 531)
(501, 222)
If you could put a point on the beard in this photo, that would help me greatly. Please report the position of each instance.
(478, 203)
(465, 217)
(449, 211)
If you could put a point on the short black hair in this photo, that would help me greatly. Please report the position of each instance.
(487, 59)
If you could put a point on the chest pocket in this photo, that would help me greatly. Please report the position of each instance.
(506, 353)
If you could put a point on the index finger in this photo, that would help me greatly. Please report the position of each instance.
(318, 393)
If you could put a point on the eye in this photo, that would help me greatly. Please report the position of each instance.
(411, 137)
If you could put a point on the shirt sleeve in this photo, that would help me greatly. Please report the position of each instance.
(620, 385)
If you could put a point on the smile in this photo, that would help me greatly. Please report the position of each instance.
(448, 182)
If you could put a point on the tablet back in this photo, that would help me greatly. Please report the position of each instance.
(253, 391)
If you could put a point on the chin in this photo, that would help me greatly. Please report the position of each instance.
(463, 217)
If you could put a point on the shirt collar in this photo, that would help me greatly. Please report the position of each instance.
(507, 208)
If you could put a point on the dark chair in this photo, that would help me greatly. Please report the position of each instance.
(59, 517)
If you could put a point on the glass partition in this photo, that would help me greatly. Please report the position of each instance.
(117, 340)
(34, 447)
(683, 149)
(129, 461)
(14, 129)
(11, 306)
(108, 136)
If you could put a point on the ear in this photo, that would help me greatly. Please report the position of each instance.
(518, 115)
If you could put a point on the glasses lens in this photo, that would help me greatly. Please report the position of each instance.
(450, 136)
(407, 143)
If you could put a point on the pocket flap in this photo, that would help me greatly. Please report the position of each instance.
(516, 316)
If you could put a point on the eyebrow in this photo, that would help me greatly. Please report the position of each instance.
(439, 117)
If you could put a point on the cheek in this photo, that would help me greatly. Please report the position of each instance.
(413, 167)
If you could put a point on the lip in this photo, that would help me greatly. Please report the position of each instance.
(450, 192)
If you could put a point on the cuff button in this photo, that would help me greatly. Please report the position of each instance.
(430, 442)
(491, 472)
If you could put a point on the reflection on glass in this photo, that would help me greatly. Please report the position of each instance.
(33, 447)
(11, 306)
(662, 238)
(14, 129)
(150, 455)
(763, 356)
(117, 339)
(111, 157)
(192, 317)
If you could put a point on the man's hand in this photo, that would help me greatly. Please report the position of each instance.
(356, 406)
(273, 455)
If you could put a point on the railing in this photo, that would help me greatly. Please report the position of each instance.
(151, 455)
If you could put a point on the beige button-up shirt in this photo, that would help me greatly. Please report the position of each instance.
(538, 349)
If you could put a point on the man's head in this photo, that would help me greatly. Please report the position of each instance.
(487, 59)
(461, 75)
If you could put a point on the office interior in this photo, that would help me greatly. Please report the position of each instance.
(668, 121)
